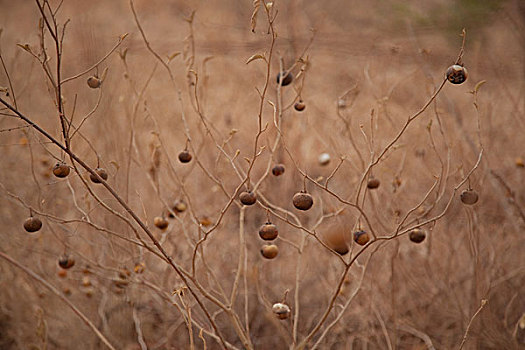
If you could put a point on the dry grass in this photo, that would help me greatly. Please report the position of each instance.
(384, 60)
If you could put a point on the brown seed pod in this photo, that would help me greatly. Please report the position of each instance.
(299, 106)
(94, 82)
(66, 261)
(373, 183)
(456, 74)
(361, 237)
(269, 251)
(335, 239)
(341, 249)
(281, 310)
(180, 207)
(278, 170)
(469, 197)
(302, 200)
(160, 222)
(139, 267)
(417, 235)
(100, 172)
(61, 170)
(248, 198)
(32, 224)
(62, 273)
(288, 78)
(185, 156)
(268, 231)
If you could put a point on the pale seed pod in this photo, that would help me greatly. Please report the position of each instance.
(324, 159)
(281, 310)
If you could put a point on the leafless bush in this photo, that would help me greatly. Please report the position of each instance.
(389, 221)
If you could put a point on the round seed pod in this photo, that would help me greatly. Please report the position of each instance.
(100, 172)
(269, 251)
(324, 159)
(268, 231)
(185, 156)
(278, 170)
(180, 207)
(469, 197)
(302, 200)
(32, 224)
(139, 267)
(160, 222)
(281, 310)
(373, 183)
(335, 239)
(86, 281)
(61, 170)
(66, 261)
(456, 74)
(299, 106)
(94, 82)
(248, 198)
(341, 249)
(361, 237)
(417, 235)
(288, 78)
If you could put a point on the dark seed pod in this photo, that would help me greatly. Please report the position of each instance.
(100, 172)
(286, 80)
(456, 74)
(299, 106)
(469, 197)
(417, 235)
(32, 224)
(185, 156)
(248, 198)
(302, 200)
(281, 310)
(268, 231)
(373, 183)
(61, 170)
(341, 249)
(269, 251)
(335, 239)
(160, 222)
(66, 261)
(94, 82)
(361, 237)
(278, 170)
